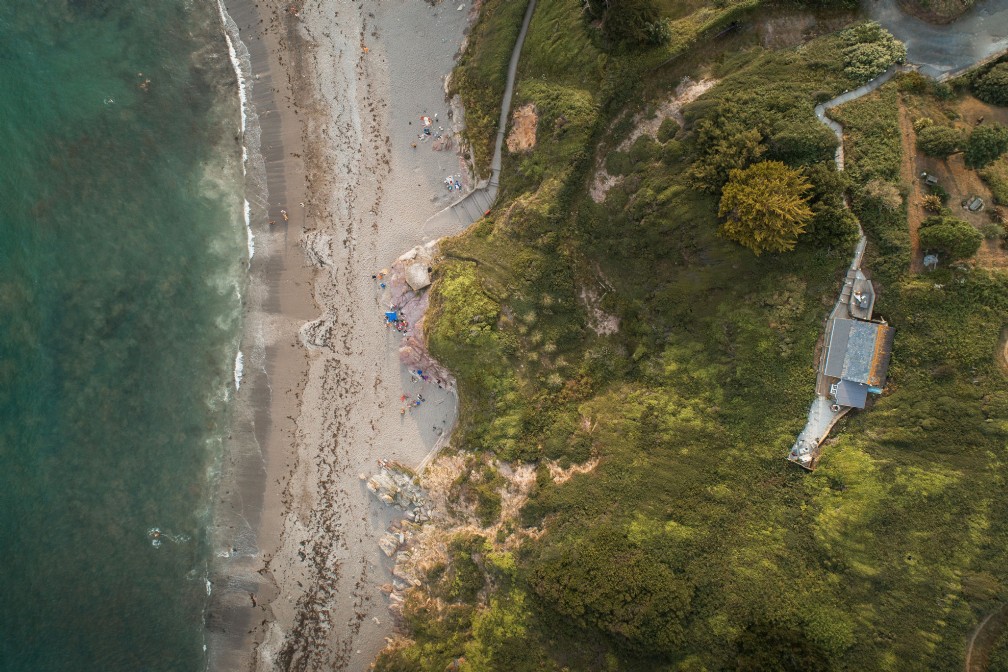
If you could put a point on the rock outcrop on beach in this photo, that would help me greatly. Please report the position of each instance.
(407, 291)
(396, 485)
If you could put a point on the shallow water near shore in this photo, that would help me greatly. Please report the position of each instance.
(123, 254)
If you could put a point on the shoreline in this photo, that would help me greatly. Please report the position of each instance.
(276, 299)
(298, 576)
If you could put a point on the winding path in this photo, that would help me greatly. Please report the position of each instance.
(478, 202)
(938, 52)
(987, 639)
(822, 414)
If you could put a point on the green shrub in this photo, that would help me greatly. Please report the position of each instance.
(931, 203)
(941, 193)
(872, 136)
(949, 237)
(464, 578)
(724, 143)
(992, 87)
(992, 230)
(643, 150)
(608, 581)
(885, 223)
(832, 226)
(920, 123)
(986, 143)
(939, 141)
(503, 640)
(869, 50)
(672, 152)
(633, 22)
(765, 207)
(618, 163)
(668, 129)
(467, 313)
(996, 177)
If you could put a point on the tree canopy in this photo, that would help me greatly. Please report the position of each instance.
(869, 49)
(939, 141)
(949, 237)
(986, 143)
(992, 87)
(765, 206)
(724, 143)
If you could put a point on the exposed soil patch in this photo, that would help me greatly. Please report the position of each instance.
(561, 475)
(909, 173)
(794, 28)
(984, 638)
(992, 255)
(523, 129)
(971, 109)
(1002, 350)
(601, 322)
(648, 124)
(953, 176)
(671, 108)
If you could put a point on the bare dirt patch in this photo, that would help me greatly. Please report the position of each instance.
(523, 129)
(648, 124)
(671, 108)
(795, 28)
(973, 109)
(601, 322)
(992, 255)
(561, 475)
(1002, 350)
(953, 176)
(909, 176)
(984, 638)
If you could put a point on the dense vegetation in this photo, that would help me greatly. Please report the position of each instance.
(992, 86)
(949, 237)
(938, 140)
(986, 143)
(765, 206)
(693, 544)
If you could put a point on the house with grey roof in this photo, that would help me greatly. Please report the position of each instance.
(857, 360)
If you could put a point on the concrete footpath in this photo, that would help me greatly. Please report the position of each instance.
(463, 212)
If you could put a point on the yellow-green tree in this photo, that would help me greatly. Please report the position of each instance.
(765, 206)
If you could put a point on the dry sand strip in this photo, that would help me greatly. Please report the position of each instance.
(360, 77)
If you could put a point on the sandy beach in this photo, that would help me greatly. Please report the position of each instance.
(339, 89)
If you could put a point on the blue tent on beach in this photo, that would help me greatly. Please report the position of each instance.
(391, 315)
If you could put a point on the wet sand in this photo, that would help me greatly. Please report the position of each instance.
(339, 89)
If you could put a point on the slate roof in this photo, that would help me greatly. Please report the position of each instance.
(852, 394)
(859, 351)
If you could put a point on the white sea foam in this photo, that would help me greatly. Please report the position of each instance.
(237, 63)
(248, 229)
(239, 369)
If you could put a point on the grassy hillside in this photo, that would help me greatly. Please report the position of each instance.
(692, 544)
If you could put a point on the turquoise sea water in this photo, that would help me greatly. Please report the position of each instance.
(122, 248)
